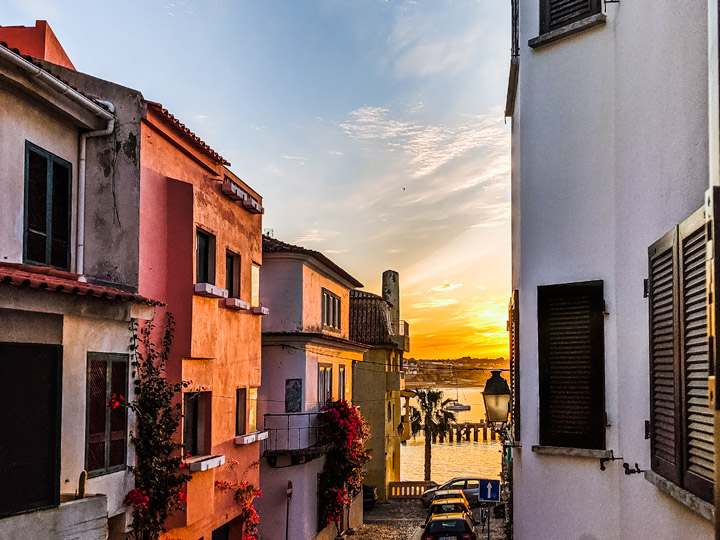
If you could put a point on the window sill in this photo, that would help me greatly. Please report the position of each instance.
(260, 310)
(236, 303)
(204, 463)
(210, 291)
(567, 30)
(251, 438)
(693, 502)
(571, 452)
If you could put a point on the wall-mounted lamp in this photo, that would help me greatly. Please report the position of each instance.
(496, 397)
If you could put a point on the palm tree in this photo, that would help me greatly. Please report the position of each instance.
(432, 419)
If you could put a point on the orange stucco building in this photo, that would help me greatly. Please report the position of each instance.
(168, 219)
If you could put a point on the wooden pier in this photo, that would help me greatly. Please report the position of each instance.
(466, 430)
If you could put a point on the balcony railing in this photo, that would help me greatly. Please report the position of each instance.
(401, 335)
(292, 433)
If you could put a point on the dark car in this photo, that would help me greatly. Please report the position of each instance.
(369, 496)
(449, 527)
(469, 486)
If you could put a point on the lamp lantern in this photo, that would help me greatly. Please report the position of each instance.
(496, 397)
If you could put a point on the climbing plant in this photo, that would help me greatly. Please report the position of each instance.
(244, 493)
(344, 431)
(159, 472)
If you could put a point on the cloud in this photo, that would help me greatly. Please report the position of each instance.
(335, 251)
(336, 153)
(300, 159)
(435, 302)
(272, 168)
(429, 147)
(446, 286)
(314, 236)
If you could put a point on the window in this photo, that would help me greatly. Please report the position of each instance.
(330, 311)
(389, 412)
(555, 14)
(293, 395)
(571, 357)
(341, 382)
(106, 441)
(324, 384)
(196, 414)
(514, 329)
(204, 257)
(240, 411)
(47, 208)
(252, 410)
(255, 292)
(681, 424)
(232, 274)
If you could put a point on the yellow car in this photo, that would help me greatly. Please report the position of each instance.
(449, 494)
(454, 505)
(450, 527)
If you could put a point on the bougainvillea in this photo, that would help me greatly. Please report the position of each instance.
(344, 431)
(245, 492)
(159, 473)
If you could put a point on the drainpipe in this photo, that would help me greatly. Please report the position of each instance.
(80, 251)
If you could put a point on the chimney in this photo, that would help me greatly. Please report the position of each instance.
(391, 294)
(38, 41)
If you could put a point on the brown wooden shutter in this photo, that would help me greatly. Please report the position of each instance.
(514, 329)
(557, 13)
(665, 439)
(571, 356)
(699, 459)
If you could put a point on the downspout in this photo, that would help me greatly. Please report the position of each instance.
(80, 250)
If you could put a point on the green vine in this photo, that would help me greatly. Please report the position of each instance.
(344, 431)
(160, 472)
(245, 492)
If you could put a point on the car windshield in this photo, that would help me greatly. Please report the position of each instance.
(446, 508)
(447, 525)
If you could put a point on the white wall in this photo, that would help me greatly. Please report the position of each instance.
(281, 290)
(23, 120)
(609, 151)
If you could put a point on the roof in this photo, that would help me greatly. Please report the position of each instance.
(369, 319)
(185, 132)
(44, 277)
(272, 245)
(37, 63)
(308, 336)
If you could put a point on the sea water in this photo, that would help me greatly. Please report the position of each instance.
(464, 458)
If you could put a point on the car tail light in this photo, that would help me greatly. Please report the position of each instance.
(426, 537)
(468, 536)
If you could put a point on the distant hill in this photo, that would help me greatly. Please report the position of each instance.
(463, 372)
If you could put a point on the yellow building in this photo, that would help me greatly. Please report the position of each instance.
(379, 379)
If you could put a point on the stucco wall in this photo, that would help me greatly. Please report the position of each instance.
(25, 120)
(313, 283)
(609, 151)
(112, 184)
(281, 289)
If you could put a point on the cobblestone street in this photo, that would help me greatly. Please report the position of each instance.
(403, 519)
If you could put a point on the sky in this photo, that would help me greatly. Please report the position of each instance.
(373, 129)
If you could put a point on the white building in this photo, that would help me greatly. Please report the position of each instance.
(610, 165)
(306, 357)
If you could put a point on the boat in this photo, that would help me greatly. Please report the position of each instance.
(454, 405)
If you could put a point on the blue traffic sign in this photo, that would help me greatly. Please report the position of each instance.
(489, 490)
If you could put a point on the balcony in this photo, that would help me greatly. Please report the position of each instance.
(401, 336)
(293, 439)
(74, 518)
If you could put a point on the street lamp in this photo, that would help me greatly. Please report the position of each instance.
(497, 400)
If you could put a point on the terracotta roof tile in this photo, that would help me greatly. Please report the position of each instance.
(185, 131)
(272, 245)
(43, 277)
(369, 319)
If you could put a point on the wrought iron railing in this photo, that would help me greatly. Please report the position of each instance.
(291, 432)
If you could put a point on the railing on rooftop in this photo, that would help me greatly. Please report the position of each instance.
(291, 432)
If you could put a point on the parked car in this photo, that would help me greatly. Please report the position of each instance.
(449, 527)
(369, 496)
(456, 505)
(469, 486)
(450, 494)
